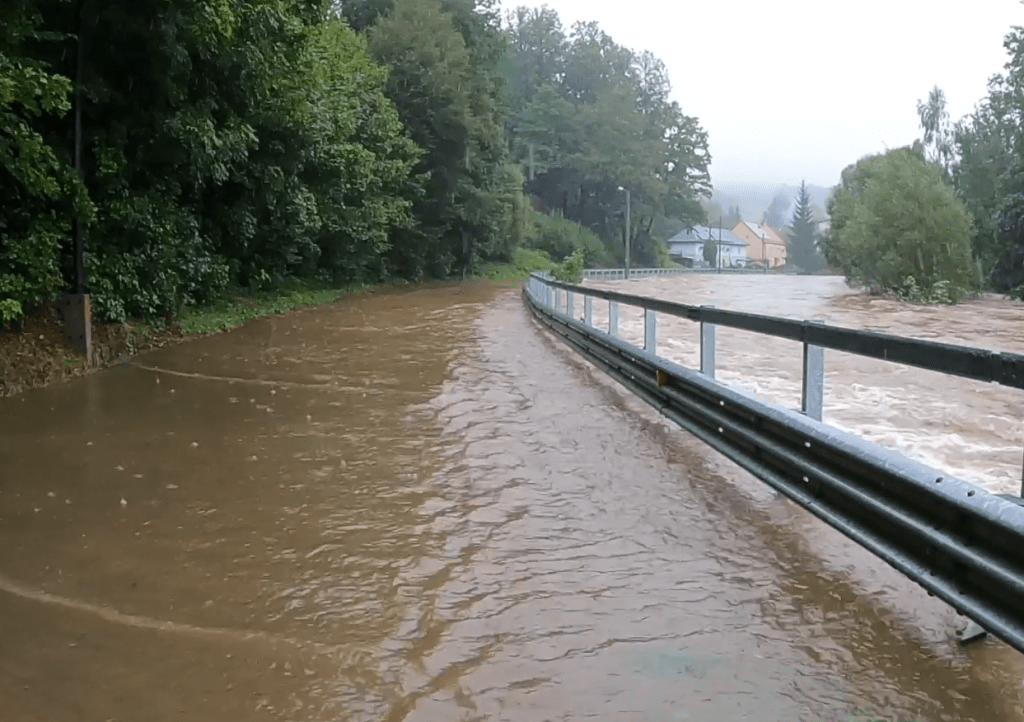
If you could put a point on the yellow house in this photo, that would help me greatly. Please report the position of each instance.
(763, 242)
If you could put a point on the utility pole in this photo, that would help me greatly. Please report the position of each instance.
(628, 228)
(77, 306)
(531, 161)
(79, 231)
(465, 238)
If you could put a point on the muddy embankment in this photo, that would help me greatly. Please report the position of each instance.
(40, 352)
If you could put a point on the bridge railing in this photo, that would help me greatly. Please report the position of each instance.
(959, 542)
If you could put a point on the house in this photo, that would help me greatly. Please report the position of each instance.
(688, 246)
(764, 243)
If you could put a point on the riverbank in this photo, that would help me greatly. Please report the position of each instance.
(40, 353)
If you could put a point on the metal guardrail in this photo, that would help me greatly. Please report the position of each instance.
(979, 364)
(618, 274)
(615, 274)
(959, 542)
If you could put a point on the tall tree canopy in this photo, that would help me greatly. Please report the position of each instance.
(242, 142)
(442, 81)
(593, 119)
(232, 142)
(982, 155)
(896, 225)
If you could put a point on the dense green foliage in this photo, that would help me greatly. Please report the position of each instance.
(803, 247)
(979, 161)
(442, 60)
(987, 168)
(37, 186)
(588, 119)
(981, 157)
(242, 143)
(571, 269)
(560, 238)
(897, 226)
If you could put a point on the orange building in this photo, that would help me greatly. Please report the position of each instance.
(763, 243)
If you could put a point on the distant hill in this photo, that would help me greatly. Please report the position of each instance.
(755, 199)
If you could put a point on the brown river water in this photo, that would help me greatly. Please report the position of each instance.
(419, 506)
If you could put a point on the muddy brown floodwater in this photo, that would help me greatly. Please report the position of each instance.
(418, 506)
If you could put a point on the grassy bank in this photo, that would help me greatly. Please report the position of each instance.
(239, 306)
(524, 262)
(38, 352)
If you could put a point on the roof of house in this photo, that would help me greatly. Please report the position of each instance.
(700, 234)
(763, 230)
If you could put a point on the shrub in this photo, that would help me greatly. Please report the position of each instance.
(560, 238)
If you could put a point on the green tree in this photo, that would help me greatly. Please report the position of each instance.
(896, 226)
(711, 252)
(937, 142)
(443, 85)
(238, 141)
(803, 250)
(38, 188)
(359, 155)
(988, 173)
(598, 118)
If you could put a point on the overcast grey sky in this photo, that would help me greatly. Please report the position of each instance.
(802, 89)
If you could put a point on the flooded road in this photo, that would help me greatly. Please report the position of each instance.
(418, 506)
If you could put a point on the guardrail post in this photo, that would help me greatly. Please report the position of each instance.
(707, 347)
(613, 318)
(650, 331)
(570, 303)
(588, 310)
(814, 378)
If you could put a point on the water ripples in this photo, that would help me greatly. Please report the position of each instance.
(465, 522)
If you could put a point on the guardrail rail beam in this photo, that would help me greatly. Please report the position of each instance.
(956, 540)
